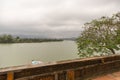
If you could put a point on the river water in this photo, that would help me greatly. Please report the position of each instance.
(23, 53)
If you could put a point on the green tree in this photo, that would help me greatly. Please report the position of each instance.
(17, 39)
(6, 39)
(100, 37)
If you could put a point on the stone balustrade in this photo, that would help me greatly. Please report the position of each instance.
(77, 69)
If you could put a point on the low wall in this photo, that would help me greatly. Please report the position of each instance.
(77, 69)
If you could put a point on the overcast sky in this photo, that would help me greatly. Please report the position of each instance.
(52, 18)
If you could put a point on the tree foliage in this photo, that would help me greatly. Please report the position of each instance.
(100, 37)
(6, 39)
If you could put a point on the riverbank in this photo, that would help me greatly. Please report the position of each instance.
(11, 39)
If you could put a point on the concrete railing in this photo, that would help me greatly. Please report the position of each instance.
(77, 69)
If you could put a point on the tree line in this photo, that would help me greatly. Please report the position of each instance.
(10, 39)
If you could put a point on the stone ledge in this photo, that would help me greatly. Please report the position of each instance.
(77, 69)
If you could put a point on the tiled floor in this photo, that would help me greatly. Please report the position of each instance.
(113, 76)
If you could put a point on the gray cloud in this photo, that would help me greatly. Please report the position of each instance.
(52, 17)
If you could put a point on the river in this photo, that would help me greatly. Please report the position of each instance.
(23, 53)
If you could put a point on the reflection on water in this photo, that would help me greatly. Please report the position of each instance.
(24, 53)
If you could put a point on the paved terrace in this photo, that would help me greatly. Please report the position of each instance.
(111, 76)
(77, 69)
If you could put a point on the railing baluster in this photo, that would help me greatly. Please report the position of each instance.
(10, 76)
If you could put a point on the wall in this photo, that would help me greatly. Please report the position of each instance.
(77, 69)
